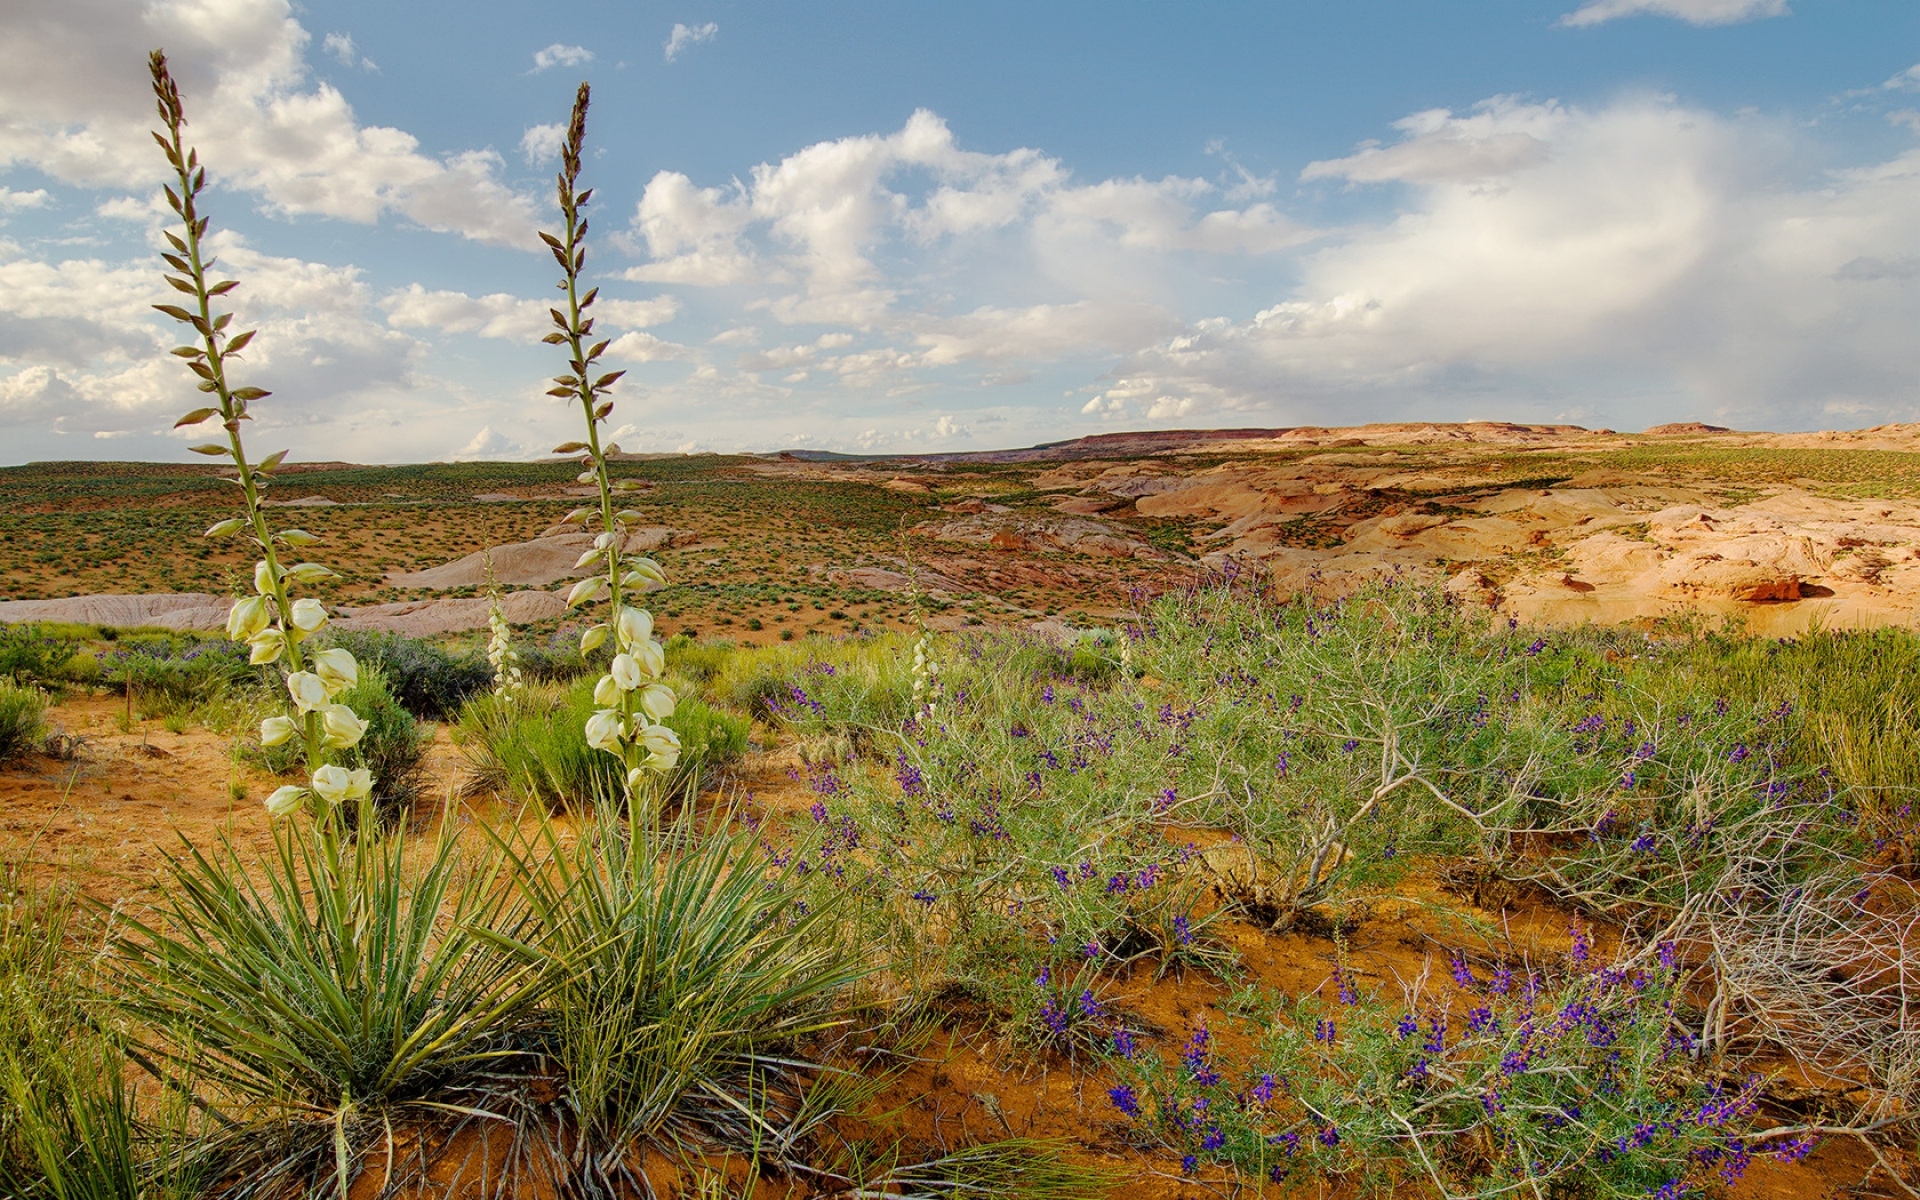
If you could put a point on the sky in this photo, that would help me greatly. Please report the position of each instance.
(939, 225)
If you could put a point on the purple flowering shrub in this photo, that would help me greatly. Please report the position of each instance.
(1571, 1078)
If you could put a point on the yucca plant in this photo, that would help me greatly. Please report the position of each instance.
(325, 992)
(685, 970)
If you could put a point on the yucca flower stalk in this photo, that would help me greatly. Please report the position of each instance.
(272, 622)
(632, 699)
(500, 652)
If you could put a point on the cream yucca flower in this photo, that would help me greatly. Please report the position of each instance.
(662, 747)
(606, 692)
(277, 731)
(342, 728)
(592, 638)
(248, 616)
(636, 626)
(337, 785)
(308, 690)
(337, 668)
(625, 672)
(309, 615)
(266, 647)
(606, 729)
(657, 701)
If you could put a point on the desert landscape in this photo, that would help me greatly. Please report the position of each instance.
(1056, 699)
(809, 592)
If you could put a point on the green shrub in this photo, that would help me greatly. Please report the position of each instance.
(431, 682)
(1564, 1081)
(393, 747)
(534, 747)
(172, 673)
(36, 653)
(23, 712)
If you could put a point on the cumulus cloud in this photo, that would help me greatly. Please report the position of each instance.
(561, 55)
(12, 201)
(1694, 12)
(808, 229)
(505, 316)
(684, 36)
(1644, 255)
(74, 104)
(82, 353)
(542, 143)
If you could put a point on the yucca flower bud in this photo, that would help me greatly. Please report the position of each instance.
(277, 731)
(262, 578)
(343, 728)
(337, 668)
(648, 570)
(657, 701)
(592, 638)
(286, 801)
(585, 590)
(309, 615)
(605, 729)
(636, 626)
(247, 617)
(266, 646)
(309, 691)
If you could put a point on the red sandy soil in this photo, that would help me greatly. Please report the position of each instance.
(108, 818)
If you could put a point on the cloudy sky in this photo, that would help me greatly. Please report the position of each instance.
(933, 226)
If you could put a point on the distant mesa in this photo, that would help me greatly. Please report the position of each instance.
(1677, 428)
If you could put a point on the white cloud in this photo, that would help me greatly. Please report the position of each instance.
(1694, 12)
(498, 315)
(12, 201)
(542, 143)
(88, 355)
(505, 316)
(561, 55)
(1647, 256)
(73, 107)
(806, 229)
(684, 36)
(1906, 81)
(341, 46)
(1502, 136)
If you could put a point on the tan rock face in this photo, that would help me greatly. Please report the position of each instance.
(544, 560)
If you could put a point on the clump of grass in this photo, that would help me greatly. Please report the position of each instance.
(23, 719)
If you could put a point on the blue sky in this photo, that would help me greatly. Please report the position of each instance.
(917, 226)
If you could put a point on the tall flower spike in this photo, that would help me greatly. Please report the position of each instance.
(628, 724)
(272, 622)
